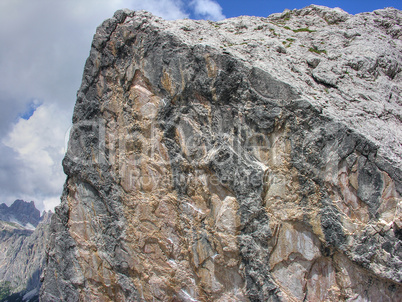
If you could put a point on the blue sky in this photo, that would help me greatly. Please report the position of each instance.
(264, 8)
(43, 48)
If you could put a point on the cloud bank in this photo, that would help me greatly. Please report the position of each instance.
(38, 148)
(207, 9)
(44, 47)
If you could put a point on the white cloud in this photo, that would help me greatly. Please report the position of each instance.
(39, 145)
(50, 203)
(45, 44)
(208, 9)
(167, 9)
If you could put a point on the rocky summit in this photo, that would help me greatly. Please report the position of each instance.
(22, 213)
(251, 159)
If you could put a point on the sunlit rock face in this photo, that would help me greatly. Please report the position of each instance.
(212, 162)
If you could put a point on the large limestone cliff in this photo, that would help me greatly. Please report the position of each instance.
(252, 159)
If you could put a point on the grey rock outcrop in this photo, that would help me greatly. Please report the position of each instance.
(252, 159)
(22, 258)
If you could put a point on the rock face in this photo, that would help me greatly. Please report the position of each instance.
(253, 159)
(21, 212)
(22, 259)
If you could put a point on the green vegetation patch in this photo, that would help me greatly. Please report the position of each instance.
(304, 29)
(286, 16)
(273, 32)
(317, 51)
(286, 44)
(5, 289)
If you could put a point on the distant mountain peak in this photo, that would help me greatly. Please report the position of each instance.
(21, 212)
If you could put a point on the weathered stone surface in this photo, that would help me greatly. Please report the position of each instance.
(204, 165)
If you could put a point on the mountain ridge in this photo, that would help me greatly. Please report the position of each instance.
(23, 236)
(21, 212)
